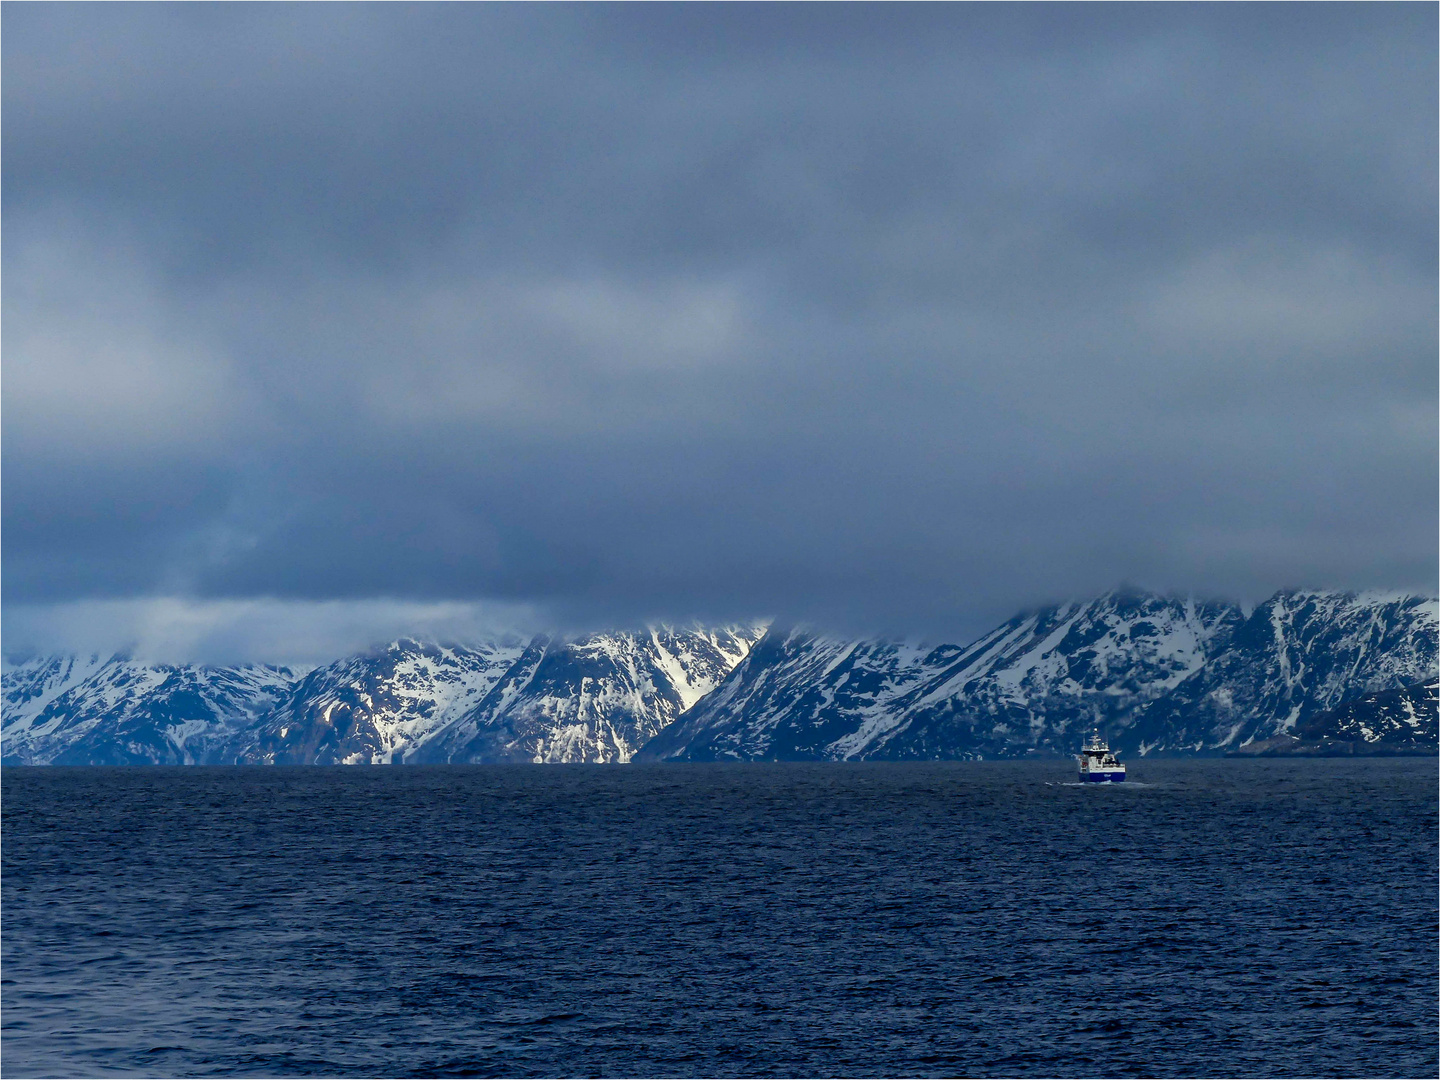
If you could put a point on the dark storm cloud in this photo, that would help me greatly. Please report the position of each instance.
(889, 316)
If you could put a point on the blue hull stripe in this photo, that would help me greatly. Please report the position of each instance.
(1102, 777)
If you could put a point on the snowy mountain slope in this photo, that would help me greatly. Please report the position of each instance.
(1038, 683)
(1030, 685)
(1403, 721)
(795, 697)
(372, 709)
(1407, 718)
(122, 712)
(596, 699)
(1298, 654)
(30, 686)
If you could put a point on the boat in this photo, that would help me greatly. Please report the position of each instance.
(1098, 764)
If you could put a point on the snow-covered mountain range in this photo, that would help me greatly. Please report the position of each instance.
(1158, 675)
(374, 709)
(1033, 685)
(598, 699)
(595, 699)
(1298, 654)
(116, 711)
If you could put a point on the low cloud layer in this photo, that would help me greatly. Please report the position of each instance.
(294, 632)
(887, 317)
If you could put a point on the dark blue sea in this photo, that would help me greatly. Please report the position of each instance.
(1215, 918)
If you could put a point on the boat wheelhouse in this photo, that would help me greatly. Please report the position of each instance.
(1098, 765)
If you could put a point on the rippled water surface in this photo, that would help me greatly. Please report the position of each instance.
(1221, 918)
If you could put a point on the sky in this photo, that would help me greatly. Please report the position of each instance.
(324, 323)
